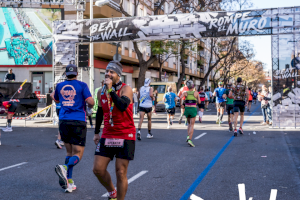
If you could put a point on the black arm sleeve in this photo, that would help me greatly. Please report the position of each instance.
(121, 103)
(99, 120)
(267, 99)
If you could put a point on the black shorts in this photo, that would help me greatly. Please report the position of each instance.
(229, 108)
(13, 107)
(57, 112)
(73, 132)
(170, 111)
(145, 110)
(250, 101)
(221, 105)
(201, 105)
(239, 106)
(125, 152)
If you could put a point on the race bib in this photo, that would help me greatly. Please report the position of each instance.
(114, 142)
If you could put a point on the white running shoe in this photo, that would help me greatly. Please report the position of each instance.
(62, 143)
(62, 175)
(57, 143)
(149, 135)
(92, 126)
(221, 122)
(70, 188)
(168, 127)
(7, 129)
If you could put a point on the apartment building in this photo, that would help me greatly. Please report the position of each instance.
(103, 52)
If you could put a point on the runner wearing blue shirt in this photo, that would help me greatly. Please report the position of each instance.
(170, 102)
(220, 102)
(254, 96)
(73, 96)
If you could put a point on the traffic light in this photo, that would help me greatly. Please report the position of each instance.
(83, 55)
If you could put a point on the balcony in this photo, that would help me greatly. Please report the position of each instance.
(101, 12)
(148, 3)
(107, 51)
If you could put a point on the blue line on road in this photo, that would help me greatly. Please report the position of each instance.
(190, 191)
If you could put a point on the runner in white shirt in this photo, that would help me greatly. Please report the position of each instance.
(146, 96)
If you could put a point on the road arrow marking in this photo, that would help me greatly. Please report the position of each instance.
(194, 197)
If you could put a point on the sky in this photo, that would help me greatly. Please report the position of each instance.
(262, 44)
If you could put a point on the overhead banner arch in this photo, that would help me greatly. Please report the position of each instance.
(283, 24)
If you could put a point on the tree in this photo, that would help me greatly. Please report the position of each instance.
(236, 4)
(164, 50)
(254, 74)
(178, 6)
(219, 50)
(240, 56)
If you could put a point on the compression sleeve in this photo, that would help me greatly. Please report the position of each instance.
(99, 119)
(267, 98)
(121, 103)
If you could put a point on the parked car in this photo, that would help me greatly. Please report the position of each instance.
(162, 88)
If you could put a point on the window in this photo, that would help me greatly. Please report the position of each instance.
(128, 6)
(102, 77)
(141, 12)
(160, 88)
(123, 78)
(132, 9)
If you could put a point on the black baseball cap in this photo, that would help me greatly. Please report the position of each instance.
(71, 70)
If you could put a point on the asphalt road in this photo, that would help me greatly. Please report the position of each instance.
(166, 167)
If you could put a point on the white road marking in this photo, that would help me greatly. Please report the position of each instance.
(13, 166)
(196, 138)
(242, 191)
(131, 180)
(273, 194)
(194, 197)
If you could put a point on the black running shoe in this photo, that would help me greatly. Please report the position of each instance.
(230, 127)
(180, 119)
(139, 135)
(235, 133)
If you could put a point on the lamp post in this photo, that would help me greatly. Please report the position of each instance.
(91, 75)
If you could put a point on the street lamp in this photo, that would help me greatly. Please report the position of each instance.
(99, 4)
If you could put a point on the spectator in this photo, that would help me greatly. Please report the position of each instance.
(269, 107)
(155, 93)
(264, 103)
(50, 90)
(135, 101)
(10, 76)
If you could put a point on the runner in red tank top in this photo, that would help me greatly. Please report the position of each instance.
(250, 99)
(115, 105)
